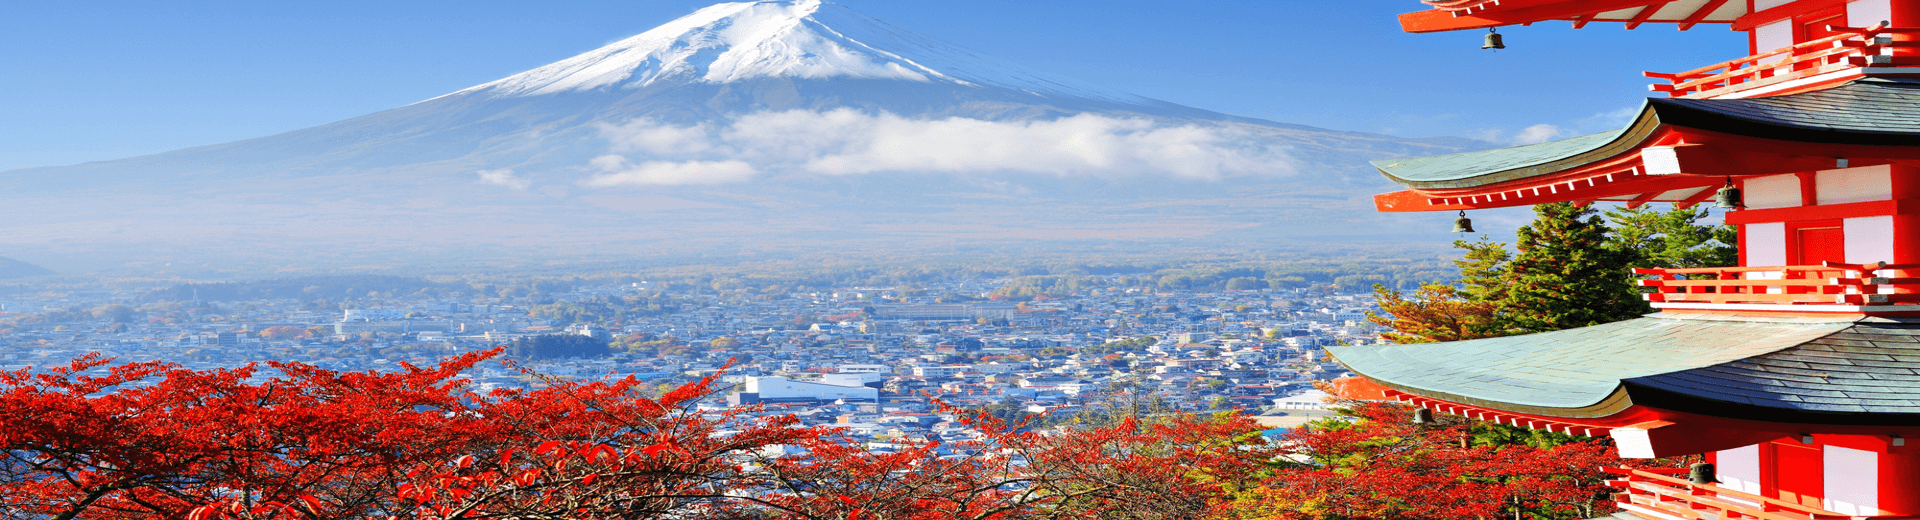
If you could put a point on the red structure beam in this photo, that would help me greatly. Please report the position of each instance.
(1437, 20)
(1705, 160)
(1704, 194)
(1642, 199)
(1646, 13)
(1701, 14)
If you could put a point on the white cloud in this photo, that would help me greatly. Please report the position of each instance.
(1539, 133)
(848, 142)
(1612, 119)
(1491, 135)
(618, 172)
(503, 177)
(646, 136)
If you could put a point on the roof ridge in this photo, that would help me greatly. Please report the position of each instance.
(1759, 318)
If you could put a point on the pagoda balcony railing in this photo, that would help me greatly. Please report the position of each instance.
(1851, 48)
(1830, 283)
(1658, 492)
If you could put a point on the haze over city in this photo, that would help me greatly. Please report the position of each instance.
(1241, 123)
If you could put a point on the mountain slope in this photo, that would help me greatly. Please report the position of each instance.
(805, 39)
(10, 268)
(774, 125)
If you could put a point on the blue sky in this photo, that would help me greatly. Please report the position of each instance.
(95, 80)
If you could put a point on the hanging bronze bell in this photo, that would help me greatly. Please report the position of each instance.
(1422, 416)
(1463, 224)
(1702, 473)
(1494, 41)
(1728, 197)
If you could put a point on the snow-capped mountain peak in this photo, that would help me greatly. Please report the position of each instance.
(806, 39)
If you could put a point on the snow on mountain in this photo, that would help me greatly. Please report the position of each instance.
(807, 39)
(791, 125)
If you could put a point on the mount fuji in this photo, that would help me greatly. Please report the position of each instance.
(751, 127)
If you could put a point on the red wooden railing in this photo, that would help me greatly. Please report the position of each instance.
(1852, 48)
(1830, 283)
(1656, 490)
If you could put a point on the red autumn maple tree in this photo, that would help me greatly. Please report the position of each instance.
(93, 440)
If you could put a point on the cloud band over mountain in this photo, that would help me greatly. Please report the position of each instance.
(850, 142)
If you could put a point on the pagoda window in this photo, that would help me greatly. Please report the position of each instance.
(1773, 191)
(1772, 36)
(1869, 239)
(1854, 185)
(1864, 13)
(1739, 468)
(1852, 481)
(1764, 244)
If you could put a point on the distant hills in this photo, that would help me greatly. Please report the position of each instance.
(10, 268)
(742, 129)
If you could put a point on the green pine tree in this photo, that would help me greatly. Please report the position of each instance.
(1483, 270)
(1565, 276)
(1675, 238)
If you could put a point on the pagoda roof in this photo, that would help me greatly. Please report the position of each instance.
(1454, 15)
(1675, 150)
(1871, 111)
(1854, 371)
(1470, 169)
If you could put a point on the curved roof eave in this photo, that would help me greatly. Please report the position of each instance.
(1871, 111)
(1474, 169)
(1576, 373)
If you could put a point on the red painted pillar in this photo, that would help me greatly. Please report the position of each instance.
(1906, 228)
(1900, 482)
(1906, 14)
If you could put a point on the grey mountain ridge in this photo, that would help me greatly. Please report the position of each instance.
(10, 268)
(406, 178)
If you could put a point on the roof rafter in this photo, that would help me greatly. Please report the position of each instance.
(1646, 13)
(1698, 197)
(1701, 14)
(1435, 20)
(1642, 200)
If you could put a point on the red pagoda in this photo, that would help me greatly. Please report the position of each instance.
(1797, 372)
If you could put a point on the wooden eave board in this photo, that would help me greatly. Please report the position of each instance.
(1481, 14)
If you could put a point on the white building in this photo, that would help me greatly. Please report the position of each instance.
(945, 371)
(783, 390)
(1310, 400)
(854, 379)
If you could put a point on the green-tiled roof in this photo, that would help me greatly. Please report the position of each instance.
(1453, 167)
(1871, 111)
(1576, 368)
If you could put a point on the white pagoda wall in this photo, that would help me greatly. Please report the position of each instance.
(1869, 238)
